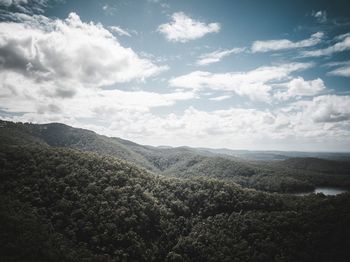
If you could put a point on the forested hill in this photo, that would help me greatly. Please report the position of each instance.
(318, 165)
(59, 204)
(297, 174)
(278, 155)
(60, 135)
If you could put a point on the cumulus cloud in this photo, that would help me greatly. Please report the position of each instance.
(183, 28)
(343, 44)
(329, 109)
(216, 56)
(298, 87)
(253, 84)
(69, 53)
(283, 44)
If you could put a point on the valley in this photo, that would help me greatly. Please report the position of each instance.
(73, 195)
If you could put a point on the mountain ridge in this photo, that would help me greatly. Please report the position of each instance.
(276, 176)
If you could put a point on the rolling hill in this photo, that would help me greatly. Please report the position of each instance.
(289, 175)
(63, 204)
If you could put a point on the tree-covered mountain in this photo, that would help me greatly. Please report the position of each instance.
(60, 135)
(277, 155)
(60, 204)
(291, 175)
(318, 165)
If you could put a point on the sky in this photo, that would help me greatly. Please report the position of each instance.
(238, 74)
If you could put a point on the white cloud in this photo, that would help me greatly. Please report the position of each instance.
(283, 44)
(320, 15)
(342, 36)
(298, 87)
(337, 63)
(342, 68)
(69, 53)
(220, 98)
(241, 127)
(183, 28)
(216, 56)
(39, 100)
(341, 71)
(253, 84)
(119, 31)
(328, 109)
(342, 45)
(129, 115)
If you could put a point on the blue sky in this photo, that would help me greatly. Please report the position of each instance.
(260, 75)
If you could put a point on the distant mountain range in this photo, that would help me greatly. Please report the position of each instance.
(277, 155)
(254, 169)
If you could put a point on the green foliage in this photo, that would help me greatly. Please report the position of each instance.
(292, 175)
(318, 165)
(61, 204)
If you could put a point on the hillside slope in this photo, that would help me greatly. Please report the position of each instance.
(318, 165)
(65, 205)
(297, 174)
(60, 135)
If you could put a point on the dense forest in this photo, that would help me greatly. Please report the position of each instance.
(290, 175)
(71, 195)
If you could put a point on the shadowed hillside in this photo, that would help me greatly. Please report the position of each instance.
(61, 204)
(318, 165)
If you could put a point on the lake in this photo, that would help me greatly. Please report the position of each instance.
(328, 191)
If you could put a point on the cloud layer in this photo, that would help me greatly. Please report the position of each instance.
(79, 73)
(254, 84)
(312, 121)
